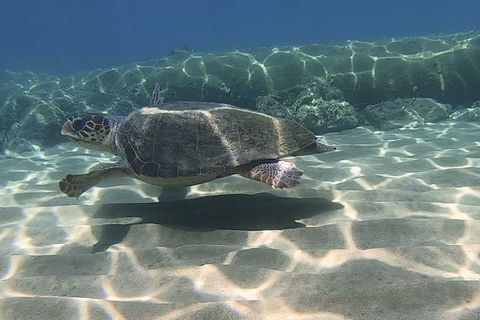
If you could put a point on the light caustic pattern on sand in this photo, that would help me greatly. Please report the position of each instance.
(386, 227)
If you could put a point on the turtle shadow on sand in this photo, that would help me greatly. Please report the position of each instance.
(256, 212)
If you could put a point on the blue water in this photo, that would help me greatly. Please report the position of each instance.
(59, 36)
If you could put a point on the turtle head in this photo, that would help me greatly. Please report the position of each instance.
(91, 131)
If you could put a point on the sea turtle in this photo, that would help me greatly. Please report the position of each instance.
(185, 143)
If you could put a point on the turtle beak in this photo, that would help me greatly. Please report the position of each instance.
(66, 129)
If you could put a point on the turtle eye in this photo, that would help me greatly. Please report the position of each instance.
(78, 124)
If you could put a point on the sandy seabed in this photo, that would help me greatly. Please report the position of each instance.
(387, 227)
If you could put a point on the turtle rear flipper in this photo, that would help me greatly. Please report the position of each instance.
(280, 174)
(73, 185)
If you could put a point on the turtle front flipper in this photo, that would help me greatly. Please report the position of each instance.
(280, 174)
(73, 185)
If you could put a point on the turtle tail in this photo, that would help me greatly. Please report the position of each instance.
(314, 148)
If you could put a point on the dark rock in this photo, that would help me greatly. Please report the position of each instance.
(314, 105)
(305, 93)
(467, 114)
(405, 113)
(43, 124)
(18, 146)
(322, 116)
(272, 106)
(7, 90)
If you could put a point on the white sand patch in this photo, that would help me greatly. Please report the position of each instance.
(390, 216)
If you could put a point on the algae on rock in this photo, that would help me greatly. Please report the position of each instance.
(323, 116)
(412, 113)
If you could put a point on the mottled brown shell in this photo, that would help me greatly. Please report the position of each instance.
(190, 138)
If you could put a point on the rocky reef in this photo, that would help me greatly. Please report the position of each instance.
(401, 113)
(325, 87)
(467, 114)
